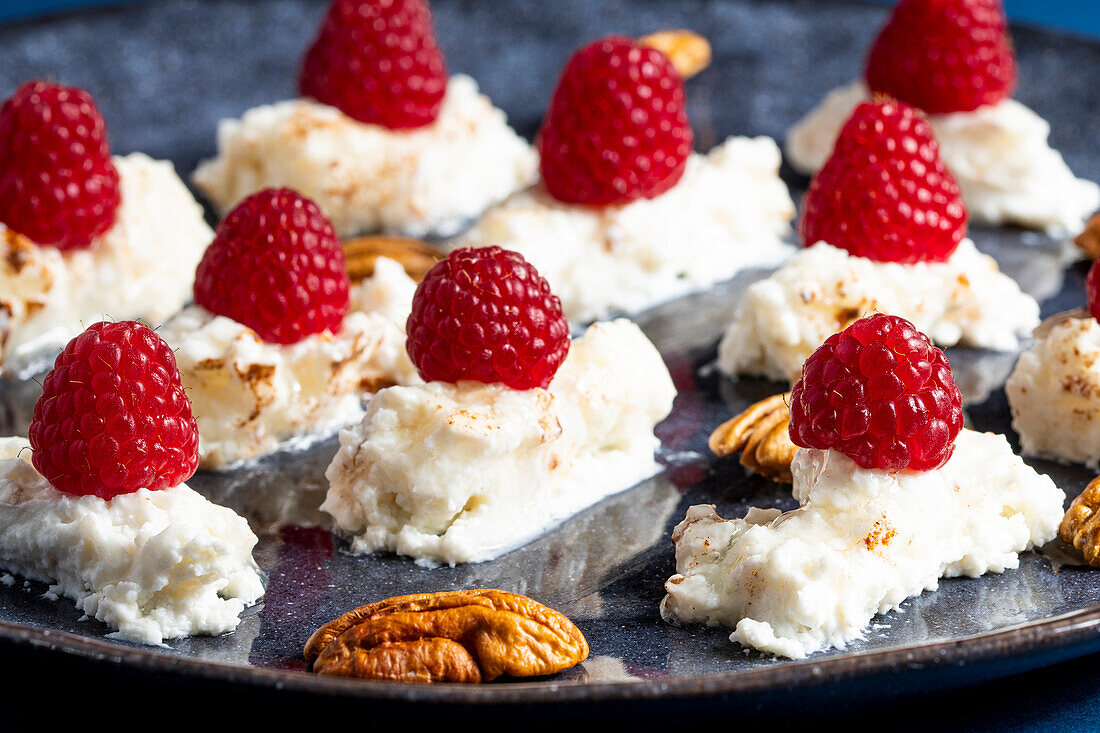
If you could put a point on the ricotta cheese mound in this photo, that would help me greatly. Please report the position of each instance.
(142, 267)
(782, 319)
(432, 180)
(1054, 393)
(861, 542)
(1000, 155)
(153, 565)
(729, 211)
(453, 473)
(249, 396)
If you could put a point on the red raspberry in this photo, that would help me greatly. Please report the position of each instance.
(880, 393)
(885, 194)
(617, 127)
(377, 61)
(486, 314)
(944, 55)
(58, 185)
(1092, 288)
(113, 417)
(276, 266)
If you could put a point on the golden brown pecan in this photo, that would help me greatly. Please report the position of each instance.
(689, 52)
(456, 636)
(415, 256)
(1089, 239)
(760, 434)
(1081, 525)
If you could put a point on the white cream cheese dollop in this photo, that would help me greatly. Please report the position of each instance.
(453, 473)
(431, 180)
(249, 396)
(861, 542)
(999, 154)
(729, 211)
(153, 565)
(142, 267)
(782, 319)
(1054, 393)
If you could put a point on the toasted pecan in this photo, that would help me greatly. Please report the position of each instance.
(1080, 526)
(760, 434)
(688, 51)
(455, 636)
(415, 256)
(1089, 239)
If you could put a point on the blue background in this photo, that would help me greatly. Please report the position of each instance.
(1082, 16)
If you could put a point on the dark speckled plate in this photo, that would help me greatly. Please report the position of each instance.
(165, 72)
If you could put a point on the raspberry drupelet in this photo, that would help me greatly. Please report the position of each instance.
(880, 393)
(1092, 289)
(378, 62)
(885, 193)
(485, 314)
(58, 184)
(276, 266)
(113, 417)
(944, 55)
(617, 127)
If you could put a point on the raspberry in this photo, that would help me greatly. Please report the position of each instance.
(617, 127)
(276, 266)
(885, 194)
(881, 394)
(377, 61)
(944, 55)
(1092, 288)
(487, 315)
(58, 185)
(113, 417)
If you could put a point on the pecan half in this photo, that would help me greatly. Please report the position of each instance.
(1080, 526)
(760, 434)
(415, 256)
(456, 636)
(689, 52)
(1089, 239)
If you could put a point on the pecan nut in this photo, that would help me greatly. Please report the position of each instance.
(760, 434)
(415, 256)
(689, 52)
(1089, 239)
(1080, 526)
(456, 636)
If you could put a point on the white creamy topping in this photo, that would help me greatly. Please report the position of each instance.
(153, 565)
(249, 395)
(465, 472)
(142, 267)
(1054, 393)
(781, 320)
(729, 211)
(430, 180)
(861, 542)
(999, 154)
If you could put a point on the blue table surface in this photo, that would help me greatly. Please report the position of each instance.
(1063, 697)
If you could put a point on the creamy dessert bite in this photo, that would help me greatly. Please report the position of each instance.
(82, 233)
(270, 350)
(893, 495)
(625, 214)
(954, 60)
(1054, 391)
(381, 138)
(885, 230)
(499, 443)
(95, 502)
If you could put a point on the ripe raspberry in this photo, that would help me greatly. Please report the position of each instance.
(377, 61)
(276, 266)
(113, 417)
(1092, 288)
(487, 315)
(880, 393)
(617, 127)
(58, 185)
(885, 194)
(944, 55)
